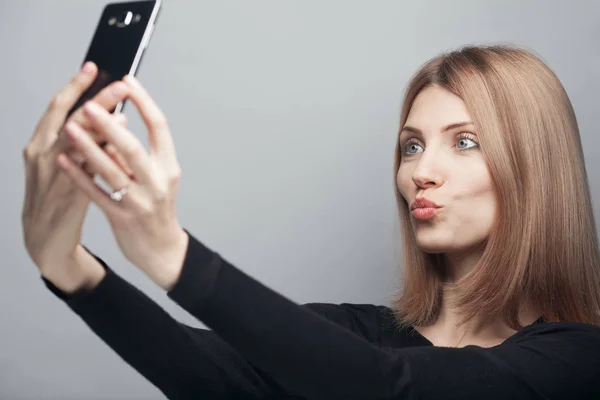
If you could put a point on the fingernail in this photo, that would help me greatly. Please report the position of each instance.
(87, 68)
(92, 107)
(71, 130)
(118, 89)
(63, 161)
(129, 79)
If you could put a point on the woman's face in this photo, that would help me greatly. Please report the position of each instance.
(442, 162)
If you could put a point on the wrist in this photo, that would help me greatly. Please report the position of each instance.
(170, 263)
(94, 272)
(81, 272)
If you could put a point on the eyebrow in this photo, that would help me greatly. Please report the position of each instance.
(444, 129)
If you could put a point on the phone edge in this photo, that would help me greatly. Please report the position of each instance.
(142, 47)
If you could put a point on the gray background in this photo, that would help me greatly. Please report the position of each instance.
(285, 115)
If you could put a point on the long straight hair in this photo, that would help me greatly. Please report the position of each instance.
(543, 246)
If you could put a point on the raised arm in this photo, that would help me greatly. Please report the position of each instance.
(310, 355)
(182, 361)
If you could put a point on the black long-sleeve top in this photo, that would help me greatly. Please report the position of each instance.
(262, 345)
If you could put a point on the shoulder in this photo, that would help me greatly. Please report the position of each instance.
(565, 340)
(358, 310)
(366, 320)
(555, 358)
(550, 332)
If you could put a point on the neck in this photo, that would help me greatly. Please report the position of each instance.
(448, 331)
(457, 265)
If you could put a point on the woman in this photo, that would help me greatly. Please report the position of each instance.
(501, 295)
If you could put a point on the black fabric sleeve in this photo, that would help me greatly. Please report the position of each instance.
(181, 361)
(315, 358)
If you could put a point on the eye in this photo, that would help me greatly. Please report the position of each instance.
(411, 143)
(461, 139)
(464, 139)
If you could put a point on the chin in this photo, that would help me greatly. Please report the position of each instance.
(436, 241)
(432, 245)
(434, 249)
(431, 241)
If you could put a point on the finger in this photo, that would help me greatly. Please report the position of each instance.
(95, 157)
(121, 119)
(108, 98)
(65, 99)
(160, 138)
(112, 151)
(79, 159)
(114, 154)
(87, 184)
(127, 144)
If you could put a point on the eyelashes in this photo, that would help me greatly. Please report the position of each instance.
(461, 136)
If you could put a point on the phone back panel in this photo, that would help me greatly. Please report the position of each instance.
(117, 46)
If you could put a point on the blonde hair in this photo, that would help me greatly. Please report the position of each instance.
(543, 246)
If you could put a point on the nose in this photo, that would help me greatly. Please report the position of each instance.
(427, 172)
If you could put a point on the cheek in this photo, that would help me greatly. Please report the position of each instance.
(404, 182)
(474, 186)
(474, 203)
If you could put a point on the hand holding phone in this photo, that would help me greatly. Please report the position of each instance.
(116, 49)
(53, 209)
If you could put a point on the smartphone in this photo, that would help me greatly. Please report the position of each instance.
(118, 45)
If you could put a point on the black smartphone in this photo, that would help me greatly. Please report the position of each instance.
(122, 35)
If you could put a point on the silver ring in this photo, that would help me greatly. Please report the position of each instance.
(117, 195)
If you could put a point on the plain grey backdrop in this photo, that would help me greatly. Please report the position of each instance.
(285, 115)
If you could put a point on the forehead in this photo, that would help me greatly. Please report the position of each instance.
(435, 107)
